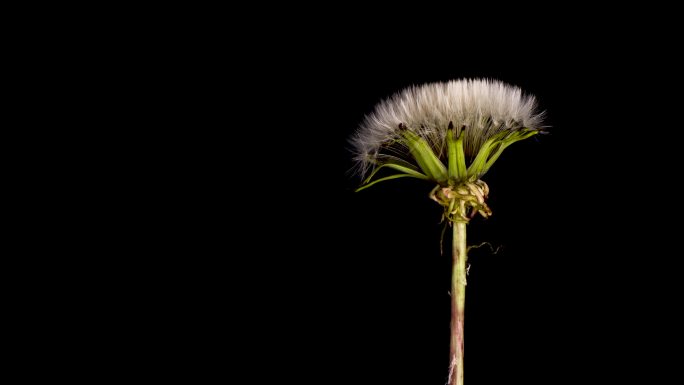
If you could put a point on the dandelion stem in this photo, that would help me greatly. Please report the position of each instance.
(458, 285)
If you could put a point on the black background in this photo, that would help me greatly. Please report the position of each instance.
(311, 282)
(229, 244)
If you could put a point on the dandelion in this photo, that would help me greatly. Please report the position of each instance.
(449, 134)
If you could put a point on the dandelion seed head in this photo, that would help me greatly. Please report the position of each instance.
(481, 107)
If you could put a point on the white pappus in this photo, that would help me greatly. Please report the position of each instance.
(481, 107)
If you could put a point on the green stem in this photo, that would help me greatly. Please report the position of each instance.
(458, 284)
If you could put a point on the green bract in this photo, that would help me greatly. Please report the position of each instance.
(431, 168)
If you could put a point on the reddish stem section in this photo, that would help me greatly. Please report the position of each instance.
(458, 284)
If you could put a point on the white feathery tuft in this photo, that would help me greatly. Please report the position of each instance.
(483, 107)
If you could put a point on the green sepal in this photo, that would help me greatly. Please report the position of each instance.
(425, 157)
(389, 178)
(477, 166)
(514, 137)
(456, 157)
(407, 169)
